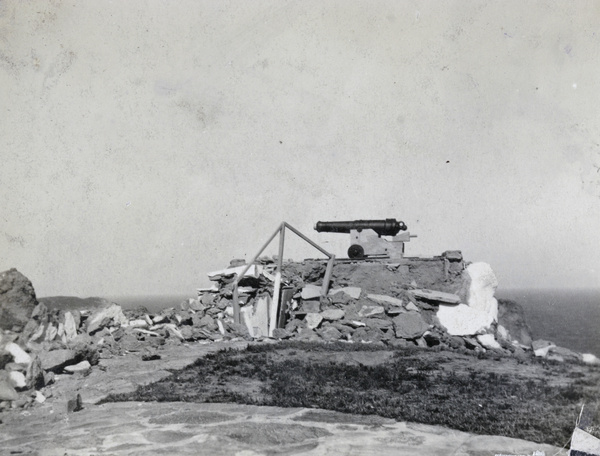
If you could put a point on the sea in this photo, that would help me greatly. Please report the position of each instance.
(568, 317)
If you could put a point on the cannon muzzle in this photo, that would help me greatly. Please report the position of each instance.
(387, 227)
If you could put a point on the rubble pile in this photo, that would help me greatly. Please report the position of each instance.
(440, 302)
(44, 343)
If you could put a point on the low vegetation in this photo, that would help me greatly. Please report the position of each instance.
(536, 401)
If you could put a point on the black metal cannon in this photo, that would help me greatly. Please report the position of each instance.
(366, 235)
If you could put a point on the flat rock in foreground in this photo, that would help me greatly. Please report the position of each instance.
(177, 428)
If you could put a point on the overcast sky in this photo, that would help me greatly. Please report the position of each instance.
(144, 144)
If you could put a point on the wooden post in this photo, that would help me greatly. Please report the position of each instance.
(277, 285)
(327, 278)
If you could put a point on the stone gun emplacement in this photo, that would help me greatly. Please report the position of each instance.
(366, 237)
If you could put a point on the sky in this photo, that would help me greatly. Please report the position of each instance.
(144, 144)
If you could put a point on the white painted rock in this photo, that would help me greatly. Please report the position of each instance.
(542, 347)
(590, 358)
(17, 379)
(221, 327)
(482, 308)
(503, 333)
(488, 341)
(19, 355)
(79, 367)
(356, 324)
(39, 397)
(70, 326)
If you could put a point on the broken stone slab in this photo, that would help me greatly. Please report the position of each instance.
(70, 326)
(55, 360)
(187, 332)
(35, 374)
(145, 331)
(208, 322)
(75, 404)
(438, 296)
(253, 271)
(383, 299)
(19, 355)
(7, 391)
(332, 314)
(313, 320)
(409, 325)
(174, 331)
(589, 358)
(541, 347)
(488, 341)
(17, 379)
(330, 333)
(51, 333)
(111, 315)
(354, 323)
(565, 354)
(378, 323)
(310, 307)
(214, 288)
(39, 397)
(38, 335)
(140, 323)
(369, 311)
(310, 292)
(246, 290)
(353, 292)
(412, 307)
(502, 333)
(83, 366)
(394, 311)
(281, 333)
(453, 255)
(308, 335)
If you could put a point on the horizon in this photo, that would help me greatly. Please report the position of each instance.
(143, 142)
(183, 295)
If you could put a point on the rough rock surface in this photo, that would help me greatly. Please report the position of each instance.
(512, 317)
(410, 325)
(17, 300)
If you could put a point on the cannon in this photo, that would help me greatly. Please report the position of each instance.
(366, 237)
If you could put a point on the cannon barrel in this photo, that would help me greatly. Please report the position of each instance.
(387, 227)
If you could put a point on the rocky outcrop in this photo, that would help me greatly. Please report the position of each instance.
(511, 316)
(17, 300)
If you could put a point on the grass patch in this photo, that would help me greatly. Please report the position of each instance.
(441, 388)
